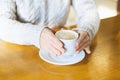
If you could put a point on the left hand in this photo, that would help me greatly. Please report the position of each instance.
(83, 42)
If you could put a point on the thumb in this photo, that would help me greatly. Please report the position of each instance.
(87, 49)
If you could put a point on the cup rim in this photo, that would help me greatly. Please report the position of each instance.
(76, 34)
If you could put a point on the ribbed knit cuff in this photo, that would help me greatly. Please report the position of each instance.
(87, 29)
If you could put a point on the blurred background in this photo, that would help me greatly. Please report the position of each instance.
(106, 9)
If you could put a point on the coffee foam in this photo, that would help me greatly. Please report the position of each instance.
(66, 35)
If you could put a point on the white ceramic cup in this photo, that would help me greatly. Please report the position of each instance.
(68, 37)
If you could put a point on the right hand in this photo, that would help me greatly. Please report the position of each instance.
(50, 43)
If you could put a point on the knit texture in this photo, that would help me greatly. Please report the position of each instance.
(21, 21)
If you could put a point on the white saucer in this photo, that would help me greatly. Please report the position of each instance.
(58, 60)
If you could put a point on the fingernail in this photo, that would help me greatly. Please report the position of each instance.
(58, 54)
(89, 52)
(77, 51)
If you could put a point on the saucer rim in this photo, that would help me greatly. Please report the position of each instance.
(61, 62)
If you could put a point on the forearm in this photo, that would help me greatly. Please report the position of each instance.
(89, 22)
(87, 16)
(20, 33)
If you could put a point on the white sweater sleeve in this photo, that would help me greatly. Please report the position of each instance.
(87, 16)
(14, 31)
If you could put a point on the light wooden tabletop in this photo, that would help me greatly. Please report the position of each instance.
(23, 62)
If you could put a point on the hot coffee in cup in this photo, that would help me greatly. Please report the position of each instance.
(68, 37)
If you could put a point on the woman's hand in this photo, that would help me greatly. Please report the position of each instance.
(50, 43)
(83, 42)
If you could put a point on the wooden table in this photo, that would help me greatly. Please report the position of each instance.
(23, 62)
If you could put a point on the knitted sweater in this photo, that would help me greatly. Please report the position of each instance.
(21, 21)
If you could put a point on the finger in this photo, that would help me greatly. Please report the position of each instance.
(86, 40)
(83, 47)
(56, 40)
(87, 49)
(61, 49)
(80, 42)
(81, 38)
(54, 51)
(50, 35)
(83, 34)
